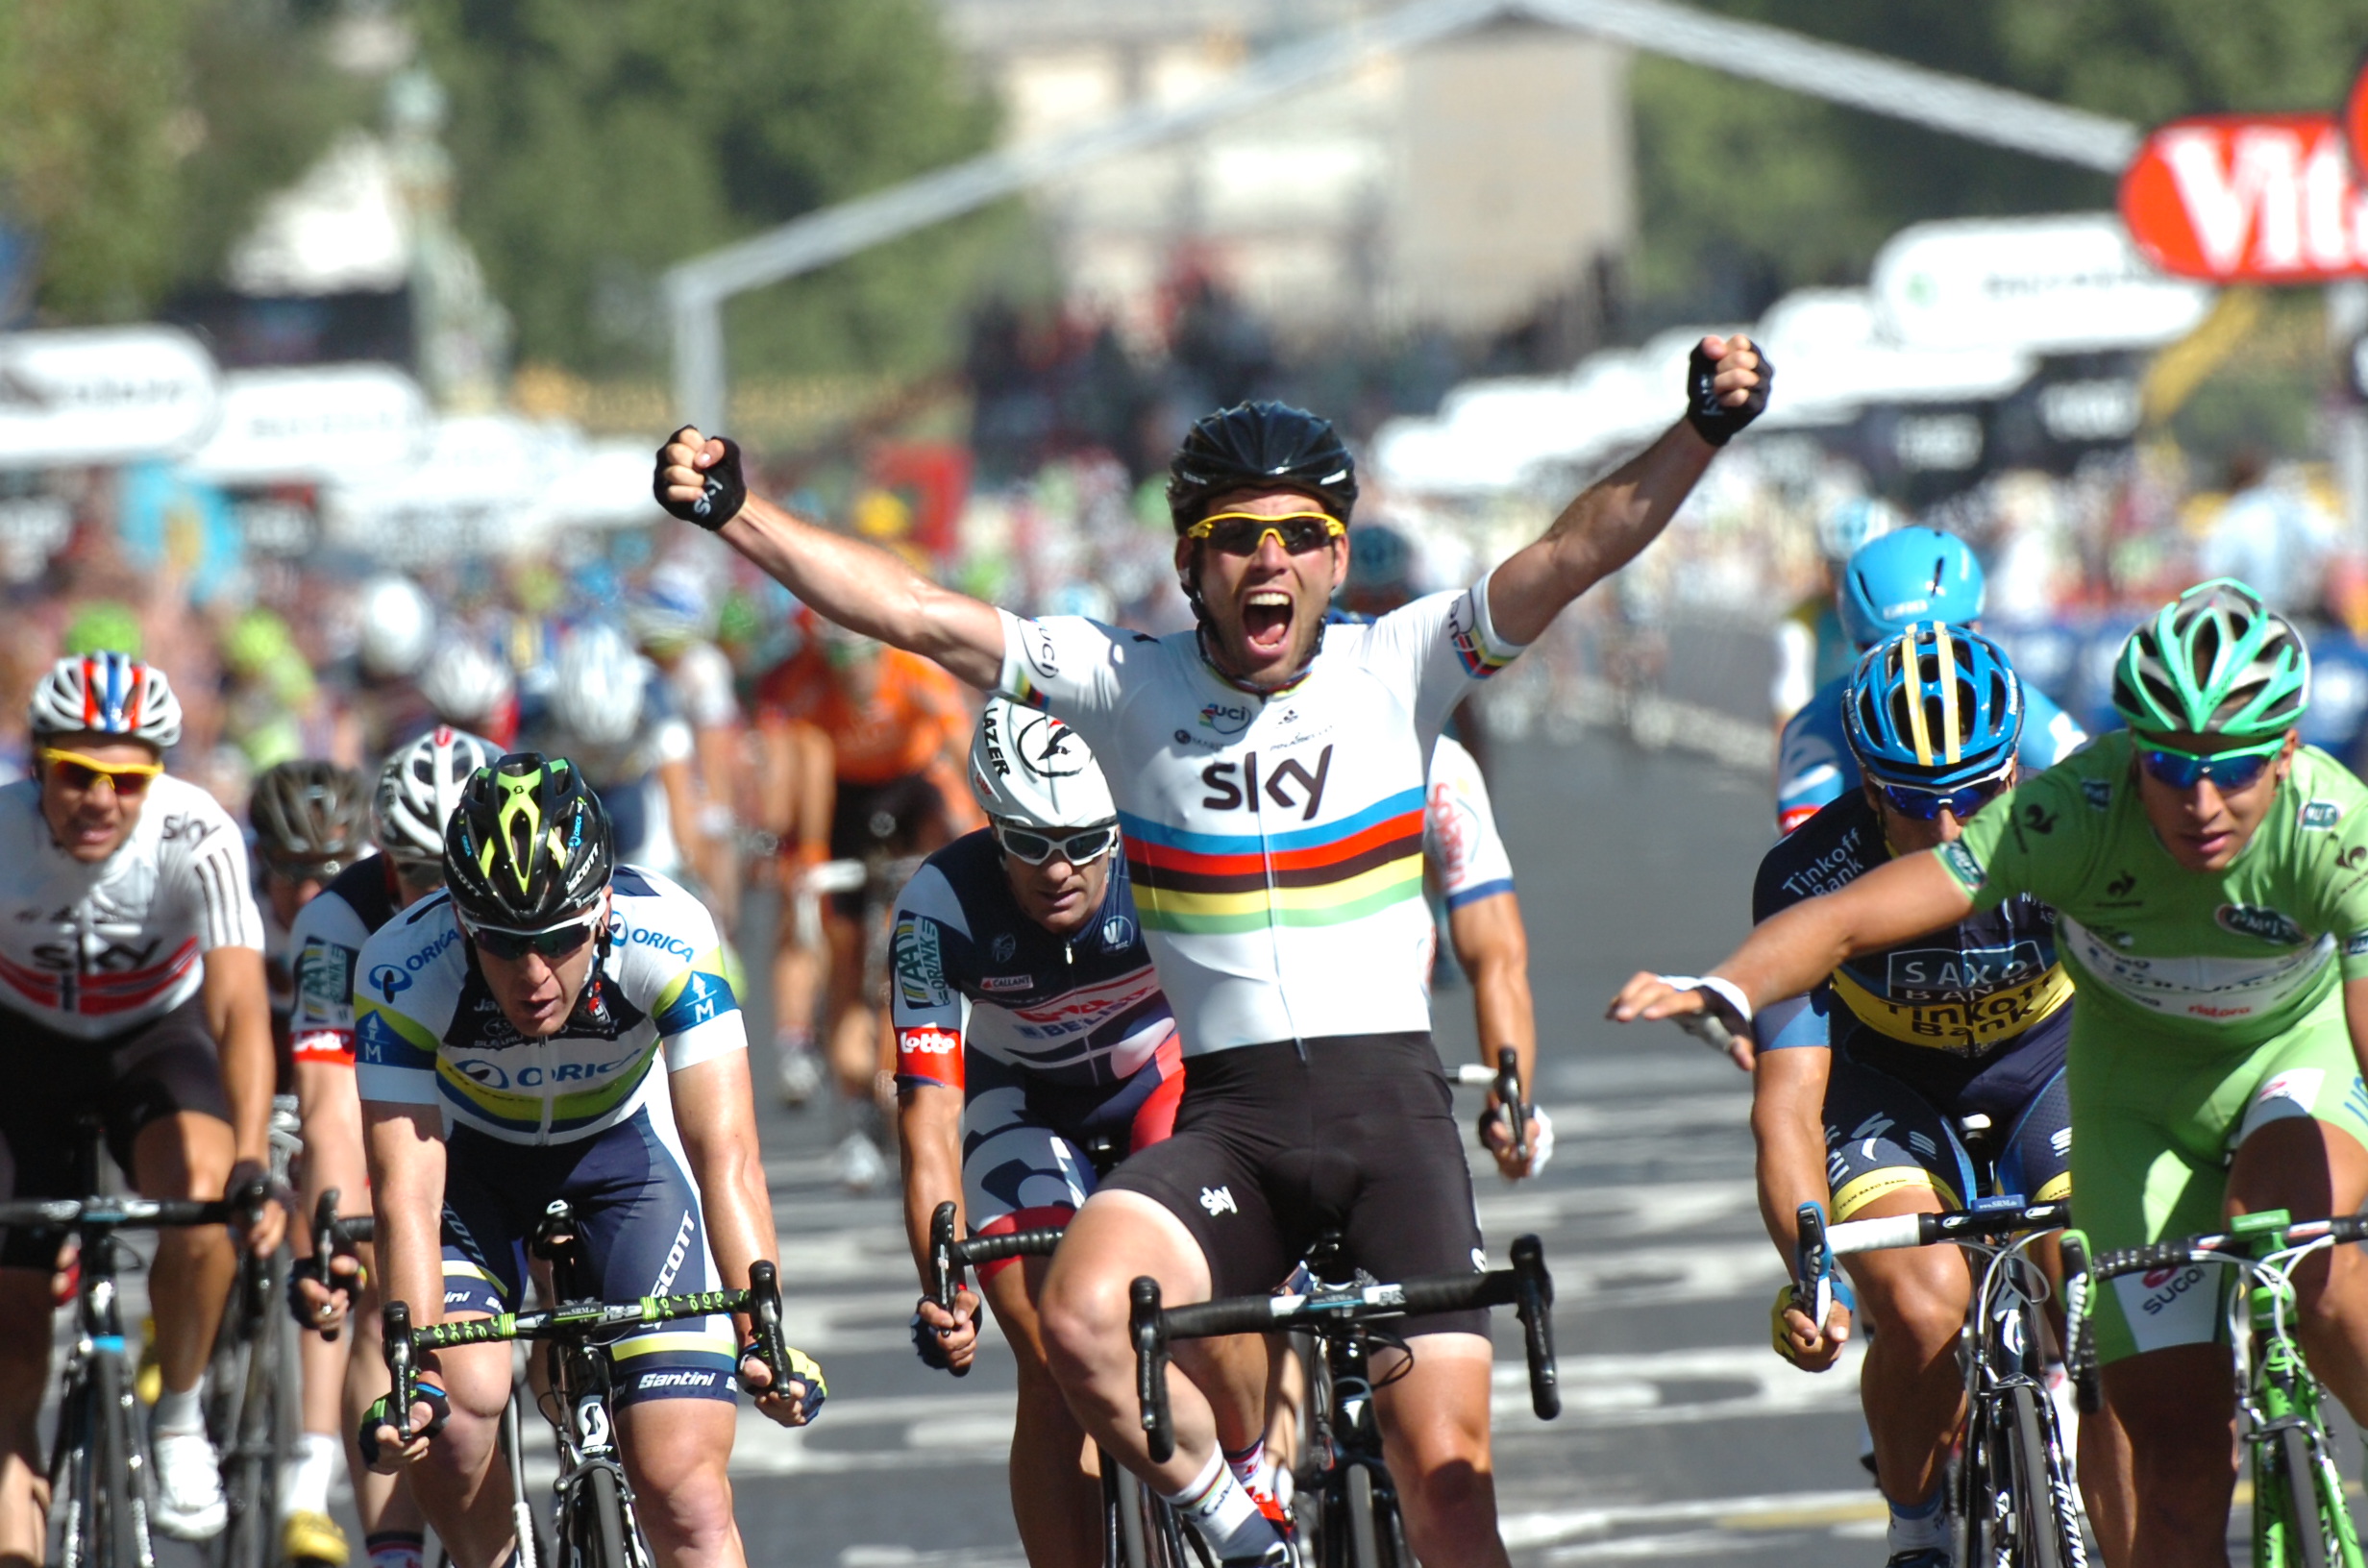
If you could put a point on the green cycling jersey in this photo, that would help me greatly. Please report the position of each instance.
(2209, 1003)
(2180, 957)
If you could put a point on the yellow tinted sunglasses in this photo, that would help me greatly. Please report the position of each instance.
(1244, 534)
(79, 773)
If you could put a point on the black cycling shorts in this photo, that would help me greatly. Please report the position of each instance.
(129, 1080)
(867, 818)
(1881, 1135)
(1273, 1148)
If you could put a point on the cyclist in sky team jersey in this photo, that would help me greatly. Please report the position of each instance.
(556, 1025)
(2210, 876)
(1889, 1088)
(131, 986)
(1268, 774)
(1889, 584)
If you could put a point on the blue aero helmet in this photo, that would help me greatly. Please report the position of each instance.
(1902, 578)
(1935, 708)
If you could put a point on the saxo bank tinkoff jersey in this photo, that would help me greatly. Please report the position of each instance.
(1275, 839)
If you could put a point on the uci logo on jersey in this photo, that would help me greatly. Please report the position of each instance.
(1225, 717)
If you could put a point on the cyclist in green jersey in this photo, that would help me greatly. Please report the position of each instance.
(2209, 875)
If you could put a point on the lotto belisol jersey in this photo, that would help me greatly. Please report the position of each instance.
(1275, 839)
(427, 1031)
(324, 945)
(971, 971)
(1814, 763)
(92, 950)
(2222, 960)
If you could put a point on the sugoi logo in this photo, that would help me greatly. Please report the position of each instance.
(1225, 717)
(389, 981)
(1219, 1200)
(2252, 920)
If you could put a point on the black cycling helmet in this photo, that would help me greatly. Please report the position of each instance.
(529, 845)
(312, 819)
(1260, 446)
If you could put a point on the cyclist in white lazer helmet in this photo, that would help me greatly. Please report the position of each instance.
(1034, 1051)
(131, 985)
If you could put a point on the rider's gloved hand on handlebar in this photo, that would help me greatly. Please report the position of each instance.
(319, 1302)
(946, 1340)
(1499, 1142)
(383, 1449)
(796, 1404)
(262, 1223)
(1804, 1343)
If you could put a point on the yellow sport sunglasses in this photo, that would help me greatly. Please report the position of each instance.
(1244, 534)
(79, 773)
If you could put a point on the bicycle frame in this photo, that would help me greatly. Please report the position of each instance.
(2277, 1393)
(95, 1421)
(2279, 1399)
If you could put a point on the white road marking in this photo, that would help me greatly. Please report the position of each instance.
(1774, 1510)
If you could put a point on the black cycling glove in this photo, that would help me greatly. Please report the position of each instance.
(1715, 422)
(726, 490)
(930, 1346)
(423, 1393)
(306, 1314)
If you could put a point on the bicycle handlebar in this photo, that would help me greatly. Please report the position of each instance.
(948, 1258)
(116, 1214)
(333, 1237)
(404, 1344)
(1526, 1285)
(1853, 1236)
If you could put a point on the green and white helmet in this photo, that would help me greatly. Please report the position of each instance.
(2215, 661)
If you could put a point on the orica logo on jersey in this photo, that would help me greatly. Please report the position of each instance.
(642, 936)
(2252, 920)
(1227, 717)
(389, 981)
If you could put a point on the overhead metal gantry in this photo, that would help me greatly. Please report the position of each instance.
(696, 290)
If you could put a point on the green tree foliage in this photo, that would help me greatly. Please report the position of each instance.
(1746, 190)
(137, 136)
(600, 141)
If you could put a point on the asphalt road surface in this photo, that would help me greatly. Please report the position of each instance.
(1682, 1437)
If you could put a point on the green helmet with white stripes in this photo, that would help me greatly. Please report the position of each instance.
(2215, 661)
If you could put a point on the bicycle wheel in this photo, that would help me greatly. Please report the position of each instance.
(1984, 1504)
(120, 1501)
(1376, 1533)
(2293, 1500)
(600, 1520)
(73, 1470)
(250, 1471)
(2037, 1528)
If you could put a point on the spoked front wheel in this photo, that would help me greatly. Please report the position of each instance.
(2012, 1511)
(2299, 1517)
(1376, 1533)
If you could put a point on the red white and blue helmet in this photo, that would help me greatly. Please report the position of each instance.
(106, 694)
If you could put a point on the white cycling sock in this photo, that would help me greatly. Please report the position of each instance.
(1920, 1527)
(1225, 1513)
(180, 1409)
(1249, 1465)
(304, 1482)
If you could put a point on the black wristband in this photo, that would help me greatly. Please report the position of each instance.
(726, 494)
(1713, 421)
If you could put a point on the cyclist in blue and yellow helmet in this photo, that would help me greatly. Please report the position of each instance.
(1866, 1084)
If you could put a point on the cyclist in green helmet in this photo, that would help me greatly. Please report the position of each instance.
(2210, 876)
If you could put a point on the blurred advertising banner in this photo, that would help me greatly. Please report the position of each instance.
(111, 395)
(2248, 199)
(317, 423)
(2062, 284)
